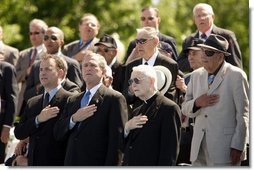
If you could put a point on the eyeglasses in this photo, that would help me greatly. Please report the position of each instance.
(148, 18)
(142, 41)
(135, 80)
(52, 37)
(34, 33)
(202, 16)
(209, 53)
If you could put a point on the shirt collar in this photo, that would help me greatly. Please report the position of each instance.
(94, 89)
(53, 91)
(151, 61)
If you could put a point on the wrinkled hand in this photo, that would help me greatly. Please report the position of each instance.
(20, 147)
(136, 122)
(5, 134)
(207, 100)
(48, 113)
(84, 113)
(235, 156)
(180, 84)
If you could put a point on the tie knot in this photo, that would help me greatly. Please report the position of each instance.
(203, 36)
(85, 99)
(210, 79)
(146, 63)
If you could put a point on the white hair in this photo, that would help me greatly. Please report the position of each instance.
(148, 71)
(150, 31)
(204, 6)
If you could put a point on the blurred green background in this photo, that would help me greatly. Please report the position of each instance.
(122, 17)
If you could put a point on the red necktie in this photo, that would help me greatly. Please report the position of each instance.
(34, 53)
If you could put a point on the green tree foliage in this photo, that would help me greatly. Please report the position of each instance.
(122, 17)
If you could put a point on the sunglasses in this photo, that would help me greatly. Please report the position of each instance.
(52, 37)
(135, 80)
(209, 53)
(106, 50)
(34, 33)
(142, 41)
(148, 18)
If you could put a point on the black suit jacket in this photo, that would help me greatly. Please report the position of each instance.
(157, 142)
(163, 38)
(8, 93)
(160, 60)
(95, 141)
(44, 149)
(235, 58)
(118, 71)
(73, 74)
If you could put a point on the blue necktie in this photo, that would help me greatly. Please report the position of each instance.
(85, 99)
(210, 79)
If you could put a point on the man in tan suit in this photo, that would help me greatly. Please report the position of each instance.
(217, 97)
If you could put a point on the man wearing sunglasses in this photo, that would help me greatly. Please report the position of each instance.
(146, 43)
(150, 17)
(217, 97)
(53, 41)
(107, 47)
(203, 17)
(89, 27)
(27, 57)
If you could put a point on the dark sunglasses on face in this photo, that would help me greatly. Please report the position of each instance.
(209, 53)
(106, 50)
(135, 80)
(142, 41)
(52, 37)
(34, 33)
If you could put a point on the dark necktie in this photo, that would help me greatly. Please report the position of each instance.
(210, 80)
(146, 63)
(34, 53)
(85, 99)
(203, 36)
(46, 100)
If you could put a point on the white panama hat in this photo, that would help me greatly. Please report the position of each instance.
(164, 78)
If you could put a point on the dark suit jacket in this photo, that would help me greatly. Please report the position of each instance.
(163, 38)
(160, 60)
(235, 58)
(118, 71)
(11, 54)
(8, 93)
(157, 142)
(95, 141)
(73, 74)
(44, 149)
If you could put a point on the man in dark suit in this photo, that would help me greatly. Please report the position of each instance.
(8, 103)
(147, 41)
(204, 19)
(10, 54)
(53, 40)
(107, 47)
(93, 121)
(152, 134)
(150, 17)
(40, 115)
(89, 27)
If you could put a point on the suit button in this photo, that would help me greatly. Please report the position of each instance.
(206, 116)
(130, 147)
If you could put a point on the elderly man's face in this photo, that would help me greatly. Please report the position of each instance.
(141, 84)
(203, 19)
(212, 61)
(146, 45)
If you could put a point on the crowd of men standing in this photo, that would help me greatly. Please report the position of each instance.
(79, 106)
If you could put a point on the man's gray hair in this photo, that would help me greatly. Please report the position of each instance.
(204, 6)
(150, 31)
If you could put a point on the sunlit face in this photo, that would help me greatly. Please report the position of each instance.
(52, 41)
(194, 57)
(50, 74)
(36, 35)
(91, 71)
(89, 28)
(148, 47)
(211, 63)
(141, 84)
(203, 19)
(149, 19)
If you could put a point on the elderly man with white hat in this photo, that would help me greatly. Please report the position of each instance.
(152, 134)
(218, 98)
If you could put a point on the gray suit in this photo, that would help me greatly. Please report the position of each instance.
(224, 125)
(11, 54)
